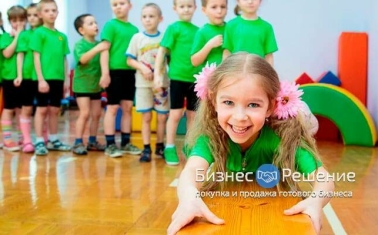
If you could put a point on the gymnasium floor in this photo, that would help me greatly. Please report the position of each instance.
(64, 194)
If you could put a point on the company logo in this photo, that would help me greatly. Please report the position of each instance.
(268, 176)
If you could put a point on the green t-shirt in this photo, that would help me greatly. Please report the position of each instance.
(9, 69)
(253, 36)
(53, 48)
(23, 46)
(1, 60)
(119, 34)
(179, 38)
(87, 76)
(261, 152)
(205, 34)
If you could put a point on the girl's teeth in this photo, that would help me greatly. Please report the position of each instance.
(239, 129)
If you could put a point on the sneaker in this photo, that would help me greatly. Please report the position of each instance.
(171, 157)
(159, 151)
(131, 149)
(40, 149)
(113, 151)
(96, 146)
(28, 148)
(79, 149)
(57, 146)
(146, 156)
(11, 146)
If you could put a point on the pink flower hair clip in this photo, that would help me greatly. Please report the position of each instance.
(288, 101)
(201, 80)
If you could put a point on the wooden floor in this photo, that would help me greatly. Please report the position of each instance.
(64, 194)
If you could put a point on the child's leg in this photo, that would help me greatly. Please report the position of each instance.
(29, 90)
(55, 97)
(10, 96)
(83, 103)
(146, 134)
(113, 95)
(162, 105)
(96, 111)
(127, 95)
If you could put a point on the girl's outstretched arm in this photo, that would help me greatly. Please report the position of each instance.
(312, 206)
(269, 58)
(190, 203)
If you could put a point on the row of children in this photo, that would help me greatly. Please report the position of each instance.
(102, 65)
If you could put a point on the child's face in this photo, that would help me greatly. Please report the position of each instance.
(33, 18)
(49, 12)
(120, 8)
(249, 6)
(185, 9)
(150, 18)
(242, 106)
(216, 10)
(17, 23)
(89, 27)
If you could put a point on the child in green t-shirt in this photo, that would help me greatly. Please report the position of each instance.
(249, 123)
(118, 78)
(178, 40)
(25, 68)
(11, 92)
(86, 83)
(141, 55)
(207, 47)
(248, 32)
(50, 48)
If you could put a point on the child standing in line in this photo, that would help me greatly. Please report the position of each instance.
(178, 40)
(141, 56)
(1, 64)
(119, 80)
(11, 92)
(207, 47)
(50, 48)
(25, 68)
(86, 83)
(245, 121)
(249, 33)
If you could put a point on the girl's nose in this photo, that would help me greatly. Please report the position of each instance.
(240, 115)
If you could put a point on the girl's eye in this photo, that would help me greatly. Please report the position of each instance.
(227, 102)
(253, 105)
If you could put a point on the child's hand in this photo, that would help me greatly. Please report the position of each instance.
(158, 83)
(102, 46)
(105, 81)
(147, 73)
(311, 207)
(17, 81)
(43, 86)
(216, 41)
(187, 210)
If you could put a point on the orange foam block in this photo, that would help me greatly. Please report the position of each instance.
(353, 63)
(304, 79)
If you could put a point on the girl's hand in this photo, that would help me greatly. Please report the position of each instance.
(216, 41)
(104, 81)
(147, 73)
(187, 210)
(43, 86)
(311, 207)
(17, 81)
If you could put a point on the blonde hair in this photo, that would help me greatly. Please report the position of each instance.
(205, 2)
(40, 4)
(291, 131)
(153, 5)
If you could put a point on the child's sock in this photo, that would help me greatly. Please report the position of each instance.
(39, 140)
(92, 139)
(125, 138)
(169, 146)
(25, 125)
(159, 145)
(147, 147)
(53, 137)
(6, 126)
(19, 134)
(78, 141)
(110, 139)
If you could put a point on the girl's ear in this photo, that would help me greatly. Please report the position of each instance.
(271, 108)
